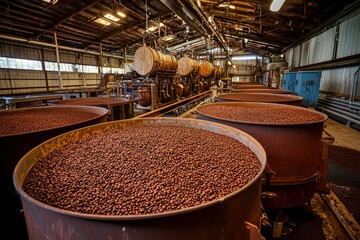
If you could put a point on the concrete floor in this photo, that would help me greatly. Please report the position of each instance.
(344, 136)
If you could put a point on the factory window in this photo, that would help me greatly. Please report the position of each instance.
(113, 70)
(18, 63)
(25, 64)
(90, 69)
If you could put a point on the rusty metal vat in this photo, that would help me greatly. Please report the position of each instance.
(293, 150)
(230, 217)
(260, 97)
(252, 86)
(261, 90)
(14, 144)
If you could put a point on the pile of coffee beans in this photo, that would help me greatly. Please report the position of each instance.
(90, 101)
(272, 98)
(37, 119)
(142, 170)
(262, 113)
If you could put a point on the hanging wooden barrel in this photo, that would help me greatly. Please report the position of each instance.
(144, 95)
(218, 71)
(148, 61)
(206, 69)
(187, 66)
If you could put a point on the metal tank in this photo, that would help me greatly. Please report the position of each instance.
(261, 90)
(13, 146)
(251, 86)
(234, 216)
(260, 97)
(293, 152)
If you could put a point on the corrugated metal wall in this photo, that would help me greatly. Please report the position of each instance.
(323, 48)
(349, 37)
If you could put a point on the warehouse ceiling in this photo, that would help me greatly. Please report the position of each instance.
(234, 26)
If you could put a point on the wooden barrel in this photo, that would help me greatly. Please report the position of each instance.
(206, 69)
(148, 61)
(187, 66)
(218, 71)
(167, 62)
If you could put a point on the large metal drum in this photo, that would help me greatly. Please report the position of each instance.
(206, 69)
(148, 61)
(144, 96)
(21, 130)
(187, 66)
(261, 90)
(293, 148)
(250, 85)
(229, 217)
(260, 97)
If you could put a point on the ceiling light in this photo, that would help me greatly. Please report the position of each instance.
(121, 14)
(153, 28)
(168, 37)
(227, 5)
(111, 17)
(246, 40)
(276, 5)
(102, 21)
(51, 1)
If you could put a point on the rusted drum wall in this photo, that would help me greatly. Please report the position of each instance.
(261, 90)
(206, 69)
(187, 66)
(219, 219)
(260, 97)
(14, 146)
(148, 61)
(293, 152)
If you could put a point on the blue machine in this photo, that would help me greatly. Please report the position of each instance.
(289, 81)
(307, 85)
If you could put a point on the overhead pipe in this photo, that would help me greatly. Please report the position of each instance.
(178, 10)
(23, 40)
(191, 13)
(211, 30)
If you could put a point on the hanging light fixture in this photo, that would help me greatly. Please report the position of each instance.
(276, 5)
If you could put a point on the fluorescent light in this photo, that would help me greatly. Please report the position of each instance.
(245, 57)
(102, 21)
(276, 5)
(153, 28)
(227, 5)
(111, 17)
(51, 1)
(121, 14)
(168, 37)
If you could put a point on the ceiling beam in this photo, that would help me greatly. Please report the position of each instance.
(87, 5)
